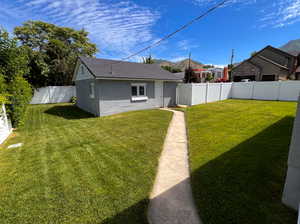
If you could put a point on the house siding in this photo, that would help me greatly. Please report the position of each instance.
(259, 65)
(84, 101)
(270, 69)
(115, 96)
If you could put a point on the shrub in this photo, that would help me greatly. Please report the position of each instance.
(73, 99)
(20, 95)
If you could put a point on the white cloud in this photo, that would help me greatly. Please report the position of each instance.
(186, 45)
(282, 13)
(278, 13)
(117, 27)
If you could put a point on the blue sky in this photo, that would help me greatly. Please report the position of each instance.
(120, 28)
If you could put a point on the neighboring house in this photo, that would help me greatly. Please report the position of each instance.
(269, 64)
(106, 87)
(217, 73)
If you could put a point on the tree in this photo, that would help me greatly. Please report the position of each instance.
(171, 69)
(189, 75)
(148, 60)
(209, 77)
(13, 59)
(53, 51)
(253, 53)
(15, 91)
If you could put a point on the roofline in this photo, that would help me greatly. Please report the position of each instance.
(87, 67)
(270, 47)
(138, 79)
(272, 62)
(279, 50)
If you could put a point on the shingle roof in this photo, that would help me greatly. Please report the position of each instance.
(104, 68)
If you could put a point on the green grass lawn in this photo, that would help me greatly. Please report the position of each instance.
(238, 157)
(75, 168)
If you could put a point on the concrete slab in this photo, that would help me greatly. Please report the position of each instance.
(171, 201)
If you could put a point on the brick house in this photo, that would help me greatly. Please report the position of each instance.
(269, 64)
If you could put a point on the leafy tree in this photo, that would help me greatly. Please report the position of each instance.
(53, 51)
(13, 59)
(209, 77)
(171, 69)
(253, 53)
(148, 60)
(15, 91)
(20, 95)
(189, 76)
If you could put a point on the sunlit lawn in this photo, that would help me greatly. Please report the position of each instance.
(75, 168)
(238, 155)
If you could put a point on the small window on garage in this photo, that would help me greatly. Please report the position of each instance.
(81, 70)
(138, 92)
(92, 90)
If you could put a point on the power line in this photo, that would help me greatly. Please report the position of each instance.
(176, 31)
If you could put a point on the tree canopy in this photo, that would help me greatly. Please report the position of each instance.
(171, 69)
(15, 91)
(52, 51)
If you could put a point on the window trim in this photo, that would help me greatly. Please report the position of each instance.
(92, 90)
(139, 97)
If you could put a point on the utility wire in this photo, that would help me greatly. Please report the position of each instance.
(176, 31)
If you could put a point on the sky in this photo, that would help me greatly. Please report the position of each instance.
(120, 28)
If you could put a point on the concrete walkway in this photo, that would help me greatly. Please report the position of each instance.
(171, 200)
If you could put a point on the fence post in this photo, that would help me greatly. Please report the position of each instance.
(206, 92)
(221, 88)
(252, 93)
(279, 89)
(191, 103)
(177, 94)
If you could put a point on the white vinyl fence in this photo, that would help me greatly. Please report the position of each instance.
(5, 125)
(53, 94)
(199, 93)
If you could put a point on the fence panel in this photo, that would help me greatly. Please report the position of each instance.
(289, 90)
(198, 93)
(184, 94)
(53, 94)
(242, 90)
(225, 91)
(5, 125)
(213, 92)
(266, 90)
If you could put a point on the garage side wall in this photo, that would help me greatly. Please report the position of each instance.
(115, 97)
(84, 101)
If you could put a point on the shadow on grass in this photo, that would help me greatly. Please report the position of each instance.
(70, 112)
(242, 186)
(135, 214)
(245, 184)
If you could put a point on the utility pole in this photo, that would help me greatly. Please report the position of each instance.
(190, 60)
(189, 70)
(231, 65)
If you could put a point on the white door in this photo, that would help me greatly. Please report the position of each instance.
(159, 93)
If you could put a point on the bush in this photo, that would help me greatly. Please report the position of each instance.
(73, 99)
(20, 95)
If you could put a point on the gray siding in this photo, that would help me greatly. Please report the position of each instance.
(115, 97)
(170, 94)
(83, 99)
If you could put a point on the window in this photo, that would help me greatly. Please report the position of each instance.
(81, 70)
(92, 90)
(138, 92)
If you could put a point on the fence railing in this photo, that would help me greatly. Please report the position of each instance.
(5, 125)
(53, 94)
(199, 93)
